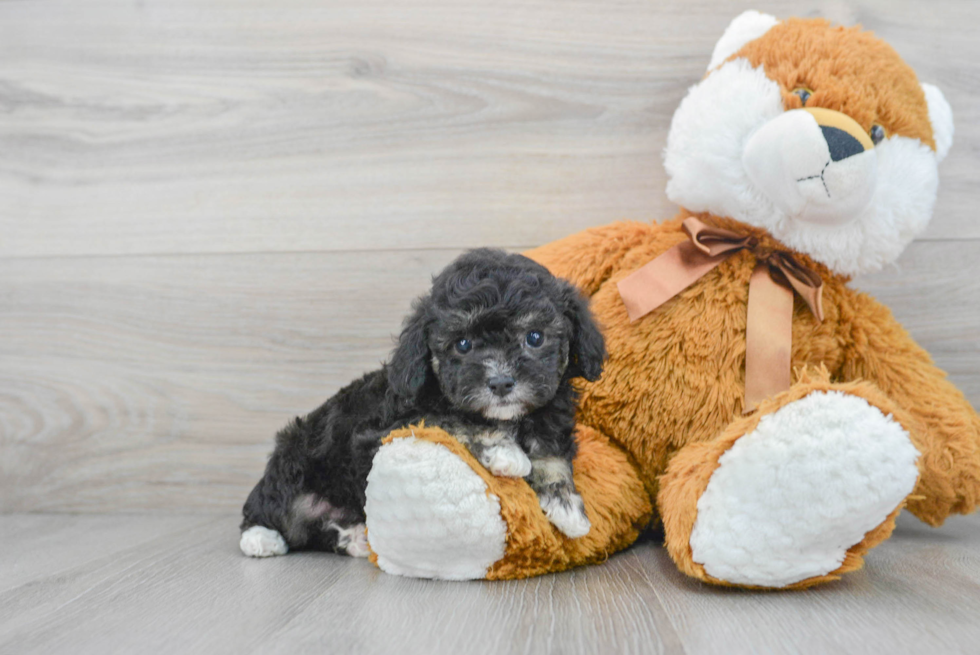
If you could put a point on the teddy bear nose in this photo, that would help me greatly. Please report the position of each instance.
(841, 144)
(844, 136)
(501, 385)
(816, 165)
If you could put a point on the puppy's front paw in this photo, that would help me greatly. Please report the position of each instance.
(259, 541)
(567, 513)
(506, 460)
(353, 540)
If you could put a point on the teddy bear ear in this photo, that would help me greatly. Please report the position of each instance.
(941, 117)
(746, 27)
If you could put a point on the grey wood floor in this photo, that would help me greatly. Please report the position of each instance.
(177, 584)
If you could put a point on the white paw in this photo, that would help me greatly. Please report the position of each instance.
(258, 541)
(354, 540)
(789, 499)
(568, 515)
(506, 460)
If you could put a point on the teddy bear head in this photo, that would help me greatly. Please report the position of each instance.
(820, 135)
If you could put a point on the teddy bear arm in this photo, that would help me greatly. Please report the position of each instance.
(434, 512)
(588, 258)
(943, 425)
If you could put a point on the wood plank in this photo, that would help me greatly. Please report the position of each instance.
(919, 592)
(159, 382)
(42, 545)
(197, 580)
(192, 126)
(189, 590)
(156, 383)
(598, 609)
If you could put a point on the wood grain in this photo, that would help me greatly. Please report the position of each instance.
(214, 213)
(189, 590)
(156, 383)
(919, 592)
(193, 126)
(256, 147)
(42, 546)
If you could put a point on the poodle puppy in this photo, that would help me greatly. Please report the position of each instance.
(488, 355)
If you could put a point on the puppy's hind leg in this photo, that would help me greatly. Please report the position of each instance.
(263, 510)
(551, 479)
(318, 525)
(259, 541)
(266, 514)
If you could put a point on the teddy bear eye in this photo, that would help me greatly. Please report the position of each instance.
(803, 94)
(877, 134)
(534, 339)
(463, 346)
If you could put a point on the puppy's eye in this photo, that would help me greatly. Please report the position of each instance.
(534, 339)
(877, 134)
(463, 346)
(803, 94)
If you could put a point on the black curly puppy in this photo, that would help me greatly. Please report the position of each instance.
(489, 356)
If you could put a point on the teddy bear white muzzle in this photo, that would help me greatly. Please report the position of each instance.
(815, 165)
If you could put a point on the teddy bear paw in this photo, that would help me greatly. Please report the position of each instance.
(790, 498)
(429, 514)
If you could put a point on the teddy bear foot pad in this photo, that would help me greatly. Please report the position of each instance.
(790, 498)
(430, 515)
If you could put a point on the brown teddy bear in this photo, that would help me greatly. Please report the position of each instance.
(807, 154)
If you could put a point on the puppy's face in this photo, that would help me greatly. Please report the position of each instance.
(498, 334)
(500, 359)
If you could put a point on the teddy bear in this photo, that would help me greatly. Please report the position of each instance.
(773, 419)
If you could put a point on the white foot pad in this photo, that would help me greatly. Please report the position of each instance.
(790, 498)
(429, 514)
(569, 518)
(258, 541)
(506, 460)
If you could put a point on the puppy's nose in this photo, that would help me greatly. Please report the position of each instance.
(501, 385)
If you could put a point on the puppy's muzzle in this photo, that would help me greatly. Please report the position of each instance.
(816, 165)
(501, 385)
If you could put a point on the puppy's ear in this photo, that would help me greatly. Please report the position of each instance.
(409, 365)
(587, 348)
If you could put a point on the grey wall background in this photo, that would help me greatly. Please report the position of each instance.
(214, 214)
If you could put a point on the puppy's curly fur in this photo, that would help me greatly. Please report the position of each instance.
(489, 355)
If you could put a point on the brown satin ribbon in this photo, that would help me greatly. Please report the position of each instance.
(769, 324)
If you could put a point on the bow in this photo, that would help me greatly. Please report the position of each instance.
(769, 323)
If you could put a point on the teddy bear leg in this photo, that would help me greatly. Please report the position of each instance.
(434, 512)
(793, 494)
